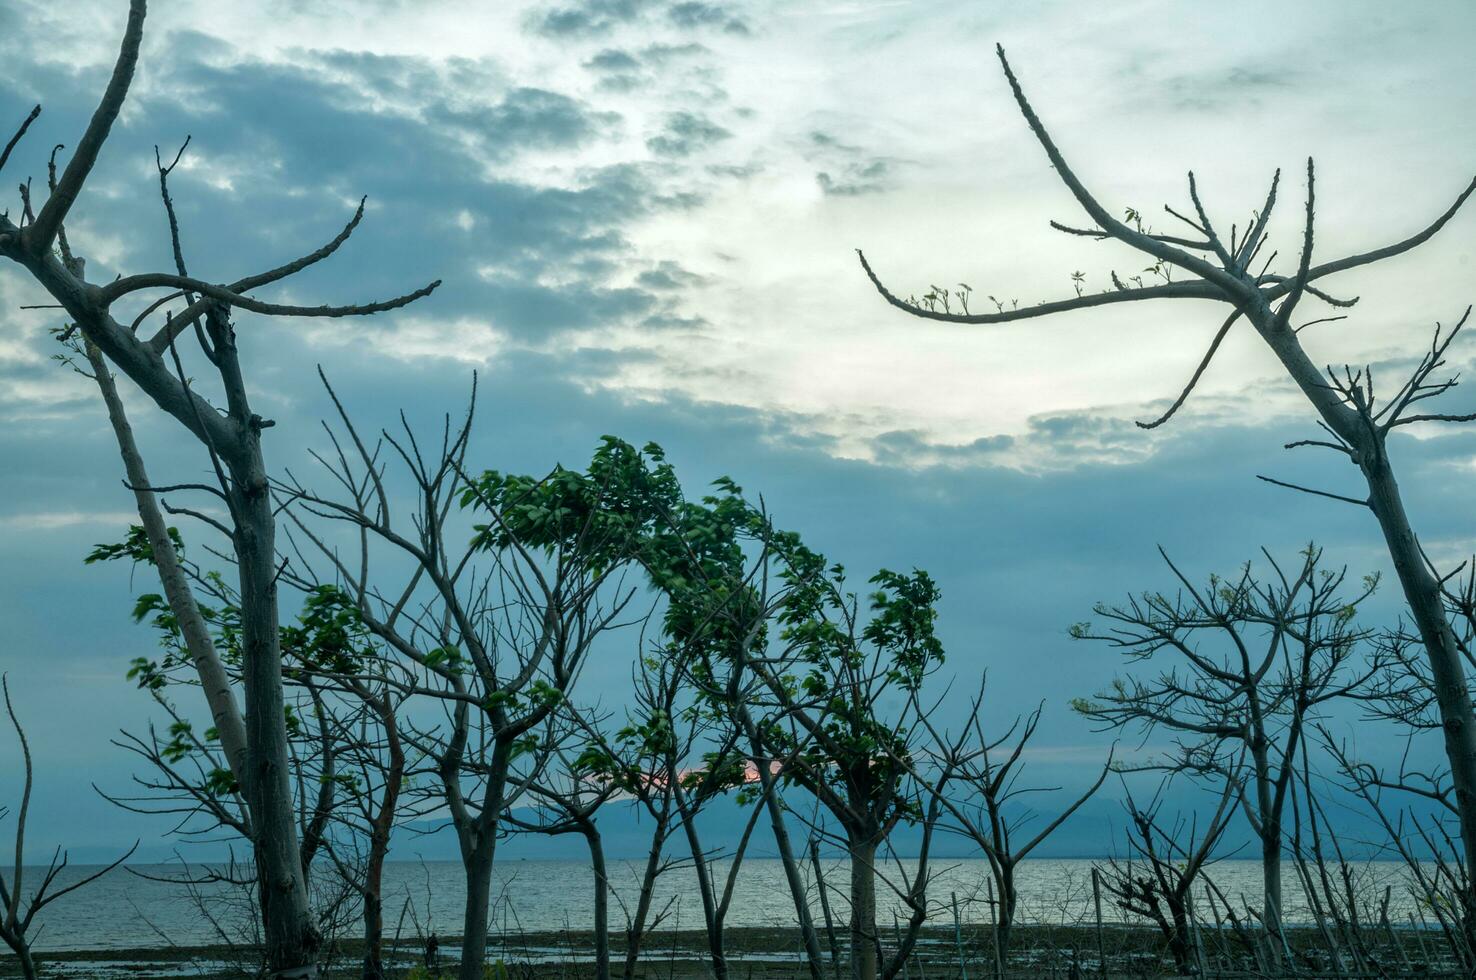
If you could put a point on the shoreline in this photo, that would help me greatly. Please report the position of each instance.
(758, 953)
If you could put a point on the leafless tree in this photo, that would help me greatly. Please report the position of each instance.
(37, 243)
(1438, 876)
(1355, 424)
(1252, 663)
(976, 781)
(1163, 865)
(18, 909)
(634, 762)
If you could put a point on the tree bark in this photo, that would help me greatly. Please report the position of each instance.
(214, 681)
(710, 913)
(1005, 917)
(863, 909)
(1420, 587)
(786, 857)
(636, 930)
(379, 839)
(601, 901)
(479, 861)
(1271, 887)
(291, 939)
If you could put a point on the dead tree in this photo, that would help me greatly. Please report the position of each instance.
(37, 243)
(1250, 665)
(975, 781)
(1163, 864)
(1355, 425)
(1437, 874)
(18, 909)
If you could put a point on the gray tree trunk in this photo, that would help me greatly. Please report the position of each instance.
(863, 910)
(636, 930)
(479, 861)
(214, 681)
(1421, 589)
(601, 902)
(291, 939)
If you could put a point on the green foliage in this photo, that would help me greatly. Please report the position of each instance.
(328, 634)
(602, 513)
(134, 546)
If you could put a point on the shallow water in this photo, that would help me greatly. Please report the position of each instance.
(124, 910)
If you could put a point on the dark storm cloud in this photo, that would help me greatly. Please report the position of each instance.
(300, 144)
(527, 118)
(668, 275)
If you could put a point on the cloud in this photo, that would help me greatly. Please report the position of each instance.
(686, 133)
(42, 521)
(699, 15)
(613, 59)
(590, 18)
(527, 118)
(600, 18)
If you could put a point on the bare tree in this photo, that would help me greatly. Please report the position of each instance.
(1356, 426)
(976, 782)
(1438, 877)
(1163, 864)
(17, 908)
(38, 244)
(1252, 663)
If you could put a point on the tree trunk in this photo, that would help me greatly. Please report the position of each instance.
(1427, 607)
(791, 867)
(214, 681)
(601, 901)
(636, 929)
(710, 913)
(1271, 887)
(1421, 589)
(1005, 918)
(291, 939)
(863, 909)
(379, 838)
(1180, 940)
(478, 860)
(26, 961)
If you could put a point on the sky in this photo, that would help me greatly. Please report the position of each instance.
(645, 213)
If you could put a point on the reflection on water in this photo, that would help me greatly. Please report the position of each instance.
(124, 910)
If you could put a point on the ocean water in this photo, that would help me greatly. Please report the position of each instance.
(129, 909)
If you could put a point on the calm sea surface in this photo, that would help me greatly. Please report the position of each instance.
(124, 910)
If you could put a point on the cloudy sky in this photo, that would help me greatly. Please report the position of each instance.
(645, 212)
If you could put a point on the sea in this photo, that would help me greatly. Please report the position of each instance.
(133, 907)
